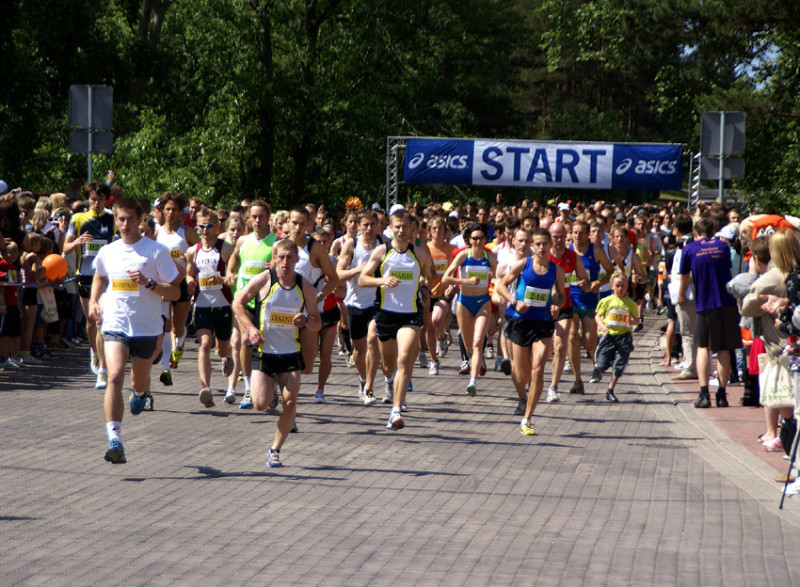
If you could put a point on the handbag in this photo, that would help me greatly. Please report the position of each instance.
(777, 383)
(49, 307)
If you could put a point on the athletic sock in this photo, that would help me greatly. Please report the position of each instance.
(181, 338)
(166, 352)
(113, 430)
(246, 380)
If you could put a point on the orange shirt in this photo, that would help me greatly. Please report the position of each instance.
(441, 257)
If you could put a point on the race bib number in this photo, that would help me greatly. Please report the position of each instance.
(253, 268)
(482, 276)
(570, 278)
(94, 246)
(205, 283)
(440, 266)
(281, 318)
(125, 287)
(618, 317)
(402, 275)
(176, 253)
(536, 297)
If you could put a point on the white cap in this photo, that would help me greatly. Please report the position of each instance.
(3, 187)
(395, 208)
(728, 232)
(563, 207)
(453, 214)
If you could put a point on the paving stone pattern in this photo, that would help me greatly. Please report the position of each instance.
(645, 492)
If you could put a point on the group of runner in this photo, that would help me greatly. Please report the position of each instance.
(272, 293)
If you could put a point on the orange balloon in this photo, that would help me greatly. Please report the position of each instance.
(55, 267)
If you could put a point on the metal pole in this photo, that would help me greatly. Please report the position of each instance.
(89, 130)
(720, 195)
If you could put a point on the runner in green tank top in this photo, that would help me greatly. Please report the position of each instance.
(252, 255)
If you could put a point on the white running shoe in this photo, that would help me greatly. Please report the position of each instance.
(552, 394)
(488, 352)
(423, 360)
(433, 368)
(230, 396)
(102, 379)
(567, 367)
(319, 397)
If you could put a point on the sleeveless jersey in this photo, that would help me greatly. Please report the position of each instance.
(357, 296)
(567, 262)
(254, 256)
(441, 260)
(304, 266)
(210, 263)
(534, 290)
(275, 314)
(102, 229)
(480, 268)
(404, 297)
(580, 298)
(175, 242)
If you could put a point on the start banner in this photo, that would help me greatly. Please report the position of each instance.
(532, 164)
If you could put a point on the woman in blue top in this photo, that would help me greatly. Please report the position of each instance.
(532, 308)
(475, 266)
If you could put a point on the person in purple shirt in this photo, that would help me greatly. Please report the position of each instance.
(709, 262)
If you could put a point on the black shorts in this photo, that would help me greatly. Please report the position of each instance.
(29, 296)
(672, 314)
(359, 319)
(185, 297)
(141, 347)
(330, 317)
(85, 286)
(63, 303)
(524, 332)
(564, 314)
(273, 365)
(218, 320)
(637, 292)
(11, 323)
(718, 329)
(388, 323)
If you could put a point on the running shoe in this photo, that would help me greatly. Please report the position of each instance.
(342, 350)
(102, 380)
(423, 360)
(274, 403)
(351, 362)
(319, 397)
(577, 387)
(31, 360)
(505, 367)
(464, 369)
(206, 397)
(94, 363)
(488, 352)
(149, 407)
(433, 368)
(67, 343)
(166, 377)
(520, 411)
(611, 397)
(369, 398)
(227, 366)
(482, 370)
(274, 459)
(137, 403)
(526, 428)
(388, 393)
(246, 403)
(552, 394)
(472, 388)
(395, 421)
(597, 376)
(294, 429)
(8, 365)
(498, 363)
(115, 453)
(230, 396)
(175, 357)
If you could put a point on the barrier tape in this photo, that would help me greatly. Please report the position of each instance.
(39, 285)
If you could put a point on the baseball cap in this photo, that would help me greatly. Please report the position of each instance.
(728, 232)
(395, 208)
(563, 207)
(620, 217)
(3, 187)
(376, 206)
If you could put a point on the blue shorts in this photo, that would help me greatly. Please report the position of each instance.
(582, 312)
(473, 303)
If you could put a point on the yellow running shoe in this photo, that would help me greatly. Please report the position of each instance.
(526, 428)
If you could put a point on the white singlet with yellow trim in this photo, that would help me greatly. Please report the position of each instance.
(278, 309)
(404, 297)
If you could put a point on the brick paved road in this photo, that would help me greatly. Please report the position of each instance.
(640, 493)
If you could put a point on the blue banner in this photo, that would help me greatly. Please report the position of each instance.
(543, 164)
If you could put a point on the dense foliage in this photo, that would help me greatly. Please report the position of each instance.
(295, 98)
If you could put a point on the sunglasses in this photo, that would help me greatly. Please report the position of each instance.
(477, 238)
(205, 226)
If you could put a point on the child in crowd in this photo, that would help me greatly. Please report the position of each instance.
(10, 319)
(616, 315)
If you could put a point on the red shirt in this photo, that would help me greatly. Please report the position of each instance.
(568, 261)
(9, 274)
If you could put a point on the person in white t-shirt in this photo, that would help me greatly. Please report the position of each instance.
(131, 274)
